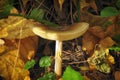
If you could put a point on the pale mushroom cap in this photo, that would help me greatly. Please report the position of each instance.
(72, 32)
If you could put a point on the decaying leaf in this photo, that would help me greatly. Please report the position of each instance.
(100, 60)
(12, 67)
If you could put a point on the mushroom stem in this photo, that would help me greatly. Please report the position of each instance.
(58, 59)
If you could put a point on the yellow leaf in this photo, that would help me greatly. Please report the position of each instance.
(15, 28)
(2, 49)
(111, 59)
(12, 67)
(2, 42)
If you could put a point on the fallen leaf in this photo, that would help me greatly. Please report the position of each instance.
(88, 42)
(110, 31)
(28, 47)
(15, 28)
(12, 67)
(117, 75)
(107, 42)
(98, 31)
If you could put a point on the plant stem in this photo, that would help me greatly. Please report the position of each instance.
(58, 60)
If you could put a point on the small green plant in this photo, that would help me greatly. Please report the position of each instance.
(115, 48)
(48, 76)
(45, 61)
(29, 64)
(111, 11)
(71, 74)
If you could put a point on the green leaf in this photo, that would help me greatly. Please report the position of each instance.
(71, 74)
(115, 48)
(45, 61)
(29, 64)
(109, 11)
(41, 78)
(118, 3)
(48, 23)
(37, 14)
(6, 11)
(48, 76)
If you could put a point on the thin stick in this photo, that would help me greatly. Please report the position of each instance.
(58, 60)
(17, 54)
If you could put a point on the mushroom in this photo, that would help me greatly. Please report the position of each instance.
(73, 31)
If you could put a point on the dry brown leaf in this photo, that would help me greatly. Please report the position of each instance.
(88, 42)
(110, 31)
(94, 20)
(98, 31)
(12, 67)
(107, 42)
(117, 75)
(28, 47)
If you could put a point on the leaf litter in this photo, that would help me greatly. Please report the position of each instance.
(73, 52)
